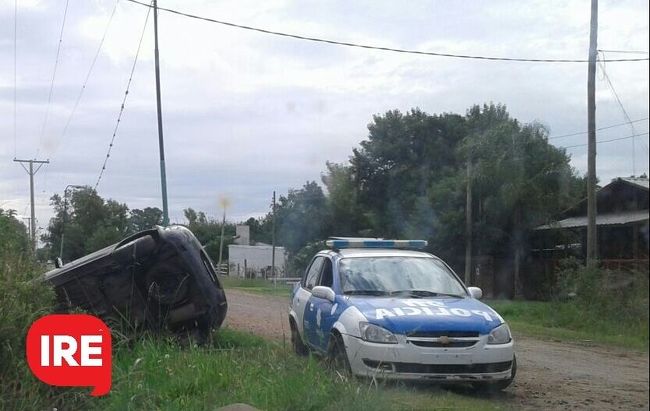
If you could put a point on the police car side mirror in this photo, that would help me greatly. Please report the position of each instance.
(323, 292)
(475, 292)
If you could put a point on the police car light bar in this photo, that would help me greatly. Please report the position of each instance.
(339, 244)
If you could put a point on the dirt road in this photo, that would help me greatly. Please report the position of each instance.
(551, 375)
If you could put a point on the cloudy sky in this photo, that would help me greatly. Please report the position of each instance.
(247, 113)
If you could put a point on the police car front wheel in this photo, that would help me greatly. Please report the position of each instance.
(337, 356)
(498, 385)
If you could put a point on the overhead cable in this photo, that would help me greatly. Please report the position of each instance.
(598, 129)
(607, 141)
(56, 63)
(365, 46)
(126, 94)
(90, 69)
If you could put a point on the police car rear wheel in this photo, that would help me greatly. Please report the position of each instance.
(338, 358)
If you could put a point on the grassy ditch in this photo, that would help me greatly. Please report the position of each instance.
(606, 306)
(236, 368)
(570, 321)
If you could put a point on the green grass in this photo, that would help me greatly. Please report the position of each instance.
(567, 321)
(236, 368)
(257, 285)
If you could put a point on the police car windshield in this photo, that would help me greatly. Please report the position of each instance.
(410, 276)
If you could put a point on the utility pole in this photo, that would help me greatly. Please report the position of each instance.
(161, 143)
(592, 245)
(273, 240)
(468, 225)
(32, 173)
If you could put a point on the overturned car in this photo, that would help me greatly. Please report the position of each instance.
(156, 279)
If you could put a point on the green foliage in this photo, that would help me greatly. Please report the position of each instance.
(301, 216)
(145, 219)
(13, 235)
(23, 299)
(299, 262)
(86, 222)
(208, 232)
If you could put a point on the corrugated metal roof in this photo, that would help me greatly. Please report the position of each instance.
(625, 217)
(639, 182)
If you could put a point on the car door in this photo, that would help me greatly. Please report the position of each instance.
(301, 297)
(319, 313)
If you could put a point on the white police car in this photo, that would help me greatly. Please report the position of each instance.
(377, 309)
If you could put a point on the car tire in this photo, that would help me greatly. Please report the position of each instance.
(498, 385)
(298, 346)
(337, 356)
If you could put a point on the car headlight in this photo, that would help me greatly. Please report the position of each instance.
(500, 335)
(376, 334)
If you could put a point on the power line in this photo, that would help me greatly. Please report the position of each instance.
(92, 65)
(624, 51)
(56, 63)
(126, 94)
(627, 117)
(365, 46)
(598, 129)
(608, 141)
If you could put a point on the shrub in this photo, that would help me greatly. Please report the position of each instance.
(615, 296)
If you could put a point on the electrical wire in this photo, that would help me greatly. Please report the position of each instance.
(56, 63)
(92, 65)
(126, 94)
(365, 46)
(598, 129)
(620, 104)
(608, 141)
(624, 51)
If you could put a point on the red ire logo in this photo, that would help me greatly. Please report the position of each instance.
(72, 351)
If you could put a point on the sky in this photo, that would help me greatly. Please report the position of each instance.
(246, 113)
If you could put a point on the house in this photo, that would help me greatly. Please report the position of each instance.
(621, 221)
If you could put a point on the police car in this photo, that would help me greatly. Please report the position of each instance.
(379, 308)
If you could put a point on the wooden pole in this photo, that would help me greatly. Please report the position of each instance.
(592, 247)
(468, 225)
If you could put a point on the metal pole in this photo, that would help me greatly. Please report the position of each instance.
(161, 143)
(273, 241)
(592, 245)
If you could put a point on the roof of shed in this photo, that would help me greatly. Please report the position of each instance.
(622, 218)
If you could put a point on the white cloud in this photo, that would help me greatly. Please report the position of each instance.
(247, 113)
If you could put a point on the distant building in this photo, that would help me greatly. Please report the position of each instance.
(254, 261)
(622, 236)
(621, 221)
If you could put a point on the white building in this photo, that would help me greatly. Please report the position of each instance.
(255, 260)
